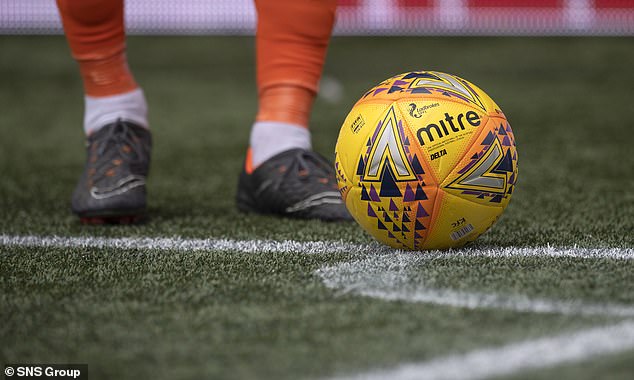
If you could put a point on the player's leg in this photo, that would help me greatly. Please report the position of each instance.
(112, 186)
(282, 174)
(291, 42)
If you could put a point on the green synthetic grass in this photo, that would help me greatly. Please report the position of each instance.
(227, 315)
(148, 314)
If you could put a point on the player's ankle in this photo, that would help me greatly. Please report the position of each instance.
(130, 106)
(269, 138)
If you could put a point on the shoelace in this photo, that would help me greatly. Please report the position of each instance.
(110, 147)
(309, 162)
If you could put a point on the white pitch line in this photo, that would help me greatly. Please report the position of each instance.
(310, 247)
(180, 244)
(390, 278)
(543, 251)
(384, 276)
(511, 358)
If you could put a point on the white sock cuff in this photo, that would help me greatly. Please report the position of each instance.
(269, 138)
(130, 106)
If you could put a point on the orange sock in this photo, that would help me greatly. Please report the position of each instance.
(96, 36)
(291, 42)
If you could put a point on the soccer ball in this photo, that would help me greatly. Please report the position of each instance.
(426, 160)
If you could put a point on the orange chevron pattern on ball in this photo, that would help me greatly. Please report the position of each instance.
(426, 160)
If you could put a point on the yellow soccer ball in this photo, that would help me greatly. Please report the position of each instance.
(426, 160)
